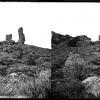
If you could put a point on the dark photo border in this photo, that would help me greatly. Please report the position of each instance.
(60, 1)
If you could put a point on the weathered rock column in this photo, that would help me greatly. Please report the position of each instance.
(9, 37)
(21, 36)
(9, 40)
(99, 37)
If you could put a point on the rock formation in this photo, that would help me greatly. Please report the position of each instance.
(99, 37)
(84, 40)
(79, 41)
(9, 40)
(58, 39)
(9, 37)
(21, 36)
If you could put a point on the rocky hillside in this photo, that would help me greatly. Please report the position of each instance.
(25, 70)
(75, 59)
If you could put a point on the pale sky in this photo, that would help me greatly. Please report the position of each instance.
(39, 19)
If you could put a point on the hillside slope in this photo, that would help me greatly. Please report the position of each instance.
(25, 70)
(72, 62)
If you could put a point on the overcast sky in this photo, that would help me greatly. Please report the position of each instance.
(39, 19)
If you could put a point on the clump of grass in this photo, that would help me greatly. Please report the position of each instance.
(43, 82)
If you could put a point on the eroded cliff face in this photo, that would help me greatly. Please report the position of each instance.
(58, 39)
(31, 66)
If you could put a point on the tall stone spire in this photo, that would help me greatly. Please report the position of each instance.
(99, 37)
(21, 36)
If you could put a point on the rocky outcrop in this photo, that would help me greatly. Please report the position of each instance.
(9, 39)
(79, 41)
(21, 36)
(58, 39)
(99, 37)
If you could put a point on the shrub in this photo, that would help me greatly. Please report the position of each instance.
(76, 67)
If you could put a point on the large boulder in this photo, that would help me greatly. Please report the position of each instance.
(21, 36)
(9, 39)
(17, 84)
(92, 85)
